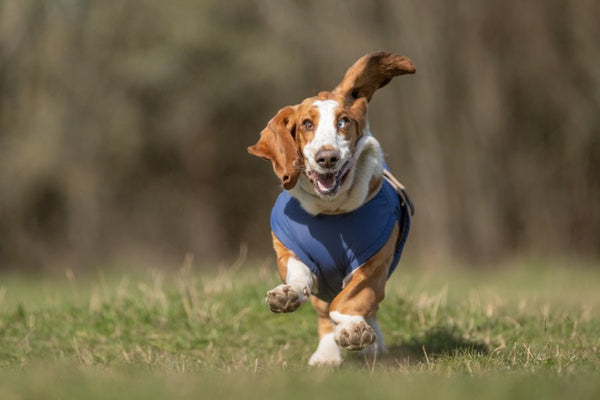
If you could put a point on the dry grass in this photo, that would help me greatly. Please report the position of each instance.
(190, 332)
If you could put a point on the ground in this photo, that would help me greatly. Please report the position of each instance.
(524, 330)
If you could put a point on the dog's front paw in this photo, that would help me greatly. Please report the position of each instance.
(284, 298)
(354, 335)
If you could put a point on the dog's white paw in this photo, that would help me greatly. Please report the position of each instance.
(327, 353)
(284, 298)
(352, 331)
(354, 336)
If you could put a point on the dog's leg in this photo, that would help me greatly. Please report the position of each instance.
(355, 306)
(298, 281)
(328, 352)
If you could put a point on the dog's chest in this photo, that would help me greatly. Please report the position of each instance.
(333, 246)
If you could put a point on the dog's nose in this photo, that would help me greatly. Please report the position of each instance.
(327, 158)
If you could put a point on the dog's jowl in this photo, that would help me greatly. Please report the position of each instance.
(341, 222)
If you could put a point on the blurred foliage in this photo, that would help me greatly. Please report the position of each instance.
(124, 125)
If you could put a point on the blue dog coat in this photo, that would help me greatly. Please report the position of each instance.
(333, 246)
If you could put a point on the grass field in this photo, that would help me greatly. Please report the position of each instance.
(526, 330)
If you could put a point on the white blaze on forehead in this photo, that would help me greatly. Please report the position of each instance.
(326, 132)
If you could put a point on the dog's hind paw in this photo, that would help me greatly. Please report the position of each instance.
(284, 298)
(319, 360)
(355, 336)
(327, 354)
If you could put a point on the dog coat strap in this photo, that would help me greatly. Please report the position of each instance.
(400, 189)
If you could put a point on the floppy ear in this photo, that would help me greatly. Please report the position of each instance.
(371, 72)
(278, 145)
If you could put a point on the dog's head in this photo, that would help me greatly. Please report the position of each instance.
(318, 136)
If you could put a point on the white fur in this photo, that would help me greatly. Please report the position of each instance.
(327, 353)
(300, 278)
(326, 135)
(367, 163)
(344, 319)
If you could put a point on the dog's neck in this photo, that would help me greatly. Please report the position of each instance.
(365, 182)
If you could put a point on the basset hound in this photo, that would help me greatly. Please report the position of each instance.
(341, 222)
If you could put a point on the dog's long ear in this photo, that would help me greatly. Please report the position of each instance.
(277, 144)
(371, 72)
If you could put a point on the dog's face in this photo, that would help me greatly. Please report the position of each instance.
(326, 135)
(318, 137)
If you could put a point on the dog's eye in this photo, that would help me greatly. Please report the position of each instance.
(307, 124)
(342, 122)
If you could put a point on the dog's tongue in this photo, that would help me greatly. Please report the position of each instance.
(326, 181)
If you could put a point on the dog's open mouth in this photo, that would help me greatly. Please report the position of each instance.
(328, 183)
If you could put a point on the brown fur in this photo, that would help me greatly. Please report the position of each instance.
(366, 288)
(283, 141)
(276, 143)
(362, 294)
(283, 255)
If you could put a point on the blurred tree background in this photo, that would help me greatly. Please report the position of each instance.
(124, 124)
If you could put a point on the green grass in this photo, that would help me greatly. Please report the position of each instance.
(523, 331)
